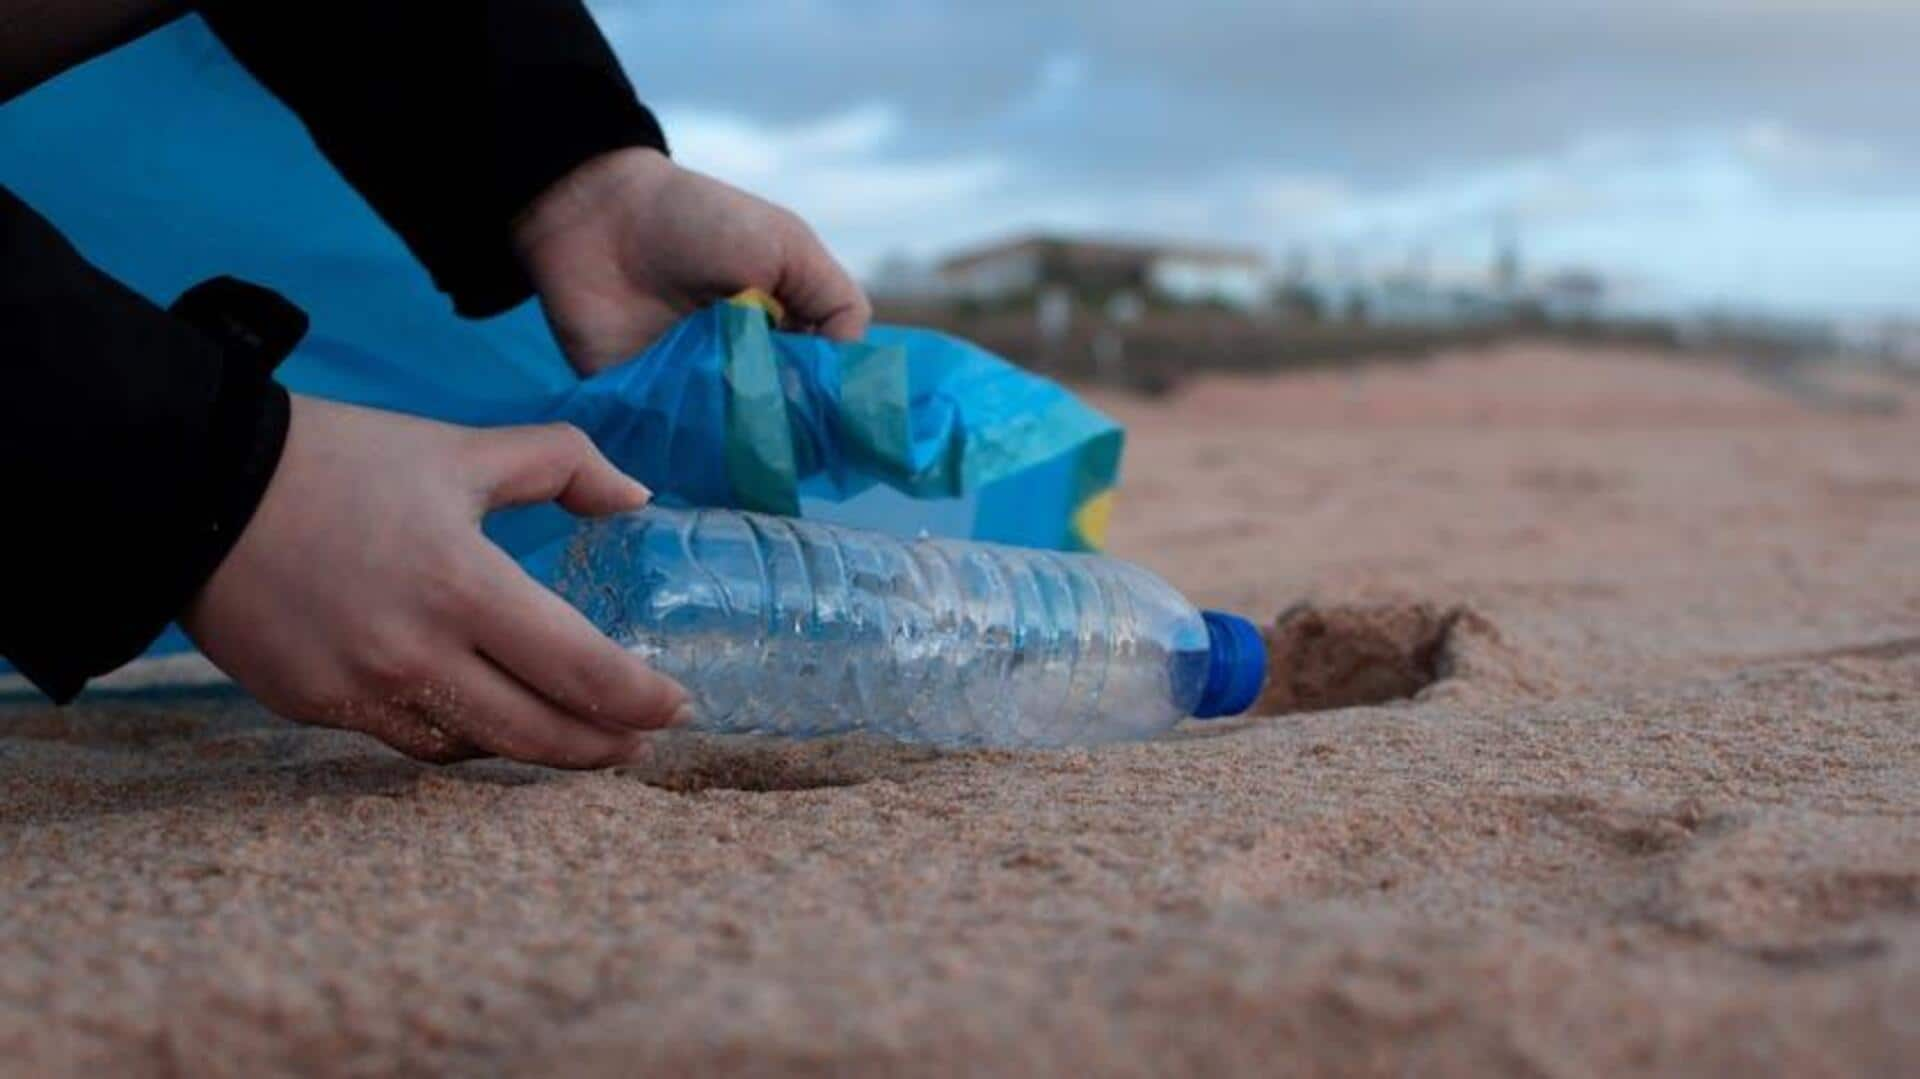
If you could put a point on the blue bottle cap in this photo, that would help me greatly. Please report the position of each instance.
(1236, 666)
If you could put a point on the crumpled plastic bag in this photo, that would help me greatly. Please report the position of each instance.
(909, 431)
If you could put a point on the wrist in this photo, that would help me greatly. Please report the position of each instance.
(585, 195)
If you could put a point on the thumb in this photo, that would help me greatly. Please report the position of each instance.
(554, 462)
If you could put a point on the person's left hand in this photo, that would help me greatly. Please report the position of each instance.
(629, 242)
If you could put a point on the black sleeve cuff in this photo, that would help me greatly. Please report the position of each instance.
(137, 445)
(247, 431)
(255, 329)
(493, 279)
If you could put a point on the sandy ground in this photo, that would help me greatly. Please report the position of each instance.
(1658, 808)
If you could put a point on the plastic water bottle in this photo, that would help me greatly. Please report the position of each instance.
(797, 628)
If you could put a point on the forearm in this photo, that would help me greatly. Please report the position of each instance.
(135, 447)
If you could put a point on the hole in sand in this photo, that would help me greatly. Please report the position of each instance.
(1345, 656)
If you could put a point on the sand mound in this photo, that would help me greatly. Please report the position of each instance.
(1343, 656)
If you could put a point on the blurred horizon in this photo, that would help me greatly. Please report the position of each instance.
(1752, 155)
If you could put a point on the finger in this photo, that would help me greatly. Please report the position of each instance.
(554, 650)
(493, 711)
(404, 723)
(848, 324)
(554, 462)
(423, 739)
(819, 292)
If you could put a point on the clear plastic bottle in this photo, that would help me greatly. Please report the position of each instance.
(797, 628)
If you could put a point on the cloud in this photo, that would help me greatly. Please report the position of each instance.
(1672, 140)
(836, 171)
(1291, 202)
(1776, 146)
(1692, 217)
(1379, 91)
(737, 146)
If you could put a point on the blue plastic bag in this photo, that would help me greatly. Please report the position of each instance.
(909, 431)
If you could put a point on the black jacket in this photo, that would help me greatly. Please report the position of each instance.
(137, 442)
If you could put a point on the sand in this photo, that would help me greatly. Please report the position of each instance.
(1653, 802)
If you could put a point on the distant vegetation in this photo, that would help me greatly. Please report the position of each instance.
(1152, 351)
(1146, 313)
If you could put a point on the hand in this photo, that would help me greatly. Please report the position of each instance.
(630, 242)
(363, 595)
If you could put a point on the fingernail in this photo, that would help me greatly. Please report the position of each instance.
(683, 716)
(641, 489)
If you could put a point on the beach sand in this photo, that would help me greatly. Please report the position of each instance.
(1600, 750)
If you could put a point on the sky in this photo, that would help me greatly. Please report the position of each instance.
(1754, 153)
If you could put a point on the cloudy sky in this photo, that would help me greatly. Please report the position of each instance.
(1745, 151)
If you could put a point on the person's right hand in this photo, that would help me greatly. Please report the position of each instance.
(363, 595)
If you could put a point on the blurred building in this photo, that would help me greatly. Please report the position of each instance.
(900, 276)
(1099, 269)
(1426, 292)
